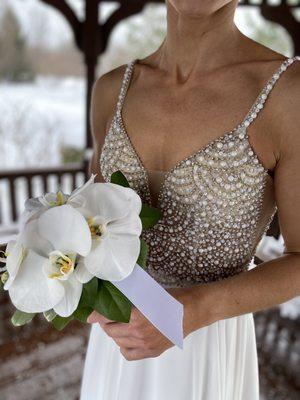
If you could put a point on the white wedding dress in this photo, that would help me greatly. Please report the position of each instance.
(217, 204)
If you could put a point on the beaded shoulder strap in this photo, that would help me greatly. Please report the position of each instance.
(263, 95)
(254, 110)
(124, 85)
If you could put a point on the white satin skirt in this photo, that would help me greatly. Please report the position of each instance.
(218, 362)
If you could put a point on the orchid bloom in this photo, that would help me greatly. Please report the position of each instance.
(112, 212)
(35, 206)
(44, 265)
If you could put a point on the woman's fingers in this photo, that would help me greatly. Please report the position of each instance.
(127, 342)
(134, 354)
(112, 328)
(99, 318)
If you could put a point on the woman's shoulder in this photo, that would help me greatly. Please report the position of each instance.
(104, 99)
(108, 85)
(288, 100)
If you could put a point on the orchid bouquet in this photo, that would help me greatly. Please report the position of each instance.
(71, 251)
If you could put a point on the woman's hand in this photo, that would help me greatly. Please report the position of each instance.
(139, 339)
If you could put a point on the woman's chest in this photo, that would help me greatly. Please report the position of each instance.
(165, 131)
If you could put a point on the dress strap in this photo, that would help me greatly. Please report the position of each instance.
(125, 85)
(263, 95)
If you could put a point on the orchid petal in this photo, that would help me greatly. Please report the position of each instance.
(66, 229)
(15, 253)
(81, 272)
(32, 291)
(131, 224)
(135, 202)
(77, 191)
(33, 204)
(69, 302)
(30, 238)
(113, 258)
(48, 199)
(77, 201)
(105, 200)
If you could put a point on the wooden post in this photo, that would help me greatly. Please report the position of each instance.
(92, 49)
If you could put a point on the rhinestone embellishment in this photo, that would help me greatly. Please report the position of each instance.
(211, 201)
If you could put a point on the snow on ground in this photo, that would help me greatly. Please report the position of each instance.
(47, 109)
(36, 120)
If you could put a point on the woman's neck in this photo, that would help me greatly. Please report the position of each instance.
(201, 43)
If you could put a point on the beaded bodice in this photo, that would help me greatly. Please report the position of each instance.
(217, 203)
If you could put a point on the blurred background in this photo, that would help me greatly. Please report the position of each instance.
(50, 53)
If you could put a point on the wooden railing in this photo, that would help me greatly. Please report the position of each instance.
(17, 185)
(278, 344)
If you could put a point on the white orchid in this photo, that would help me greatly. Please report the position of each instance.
(44, 267)
(13, 258)
(112, 212)
(35, 206)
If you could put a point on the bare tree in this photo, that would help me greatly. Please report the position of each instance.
(14, 62)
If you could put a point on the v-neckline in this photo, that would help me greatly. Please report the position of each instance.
(170, 171)
(240, 126)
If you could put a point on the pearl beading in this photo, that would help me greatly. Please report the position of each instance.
(211, 200)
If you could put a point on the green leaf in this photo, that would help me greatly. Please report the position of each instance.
(119, 178)
(149, 216)
(112, 303)
(50, 315)
(143, 254)
(21, 318)
(60, 322)
(89, 294)
(81, 314)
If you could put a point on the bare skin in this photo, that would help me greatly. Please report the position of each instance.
(198, 85)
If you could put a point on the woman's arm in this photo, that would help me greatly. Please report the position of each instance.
(276, 281)
(269, 284)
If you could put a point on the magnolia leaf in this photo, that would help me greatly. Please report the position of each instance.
(112, 303)
(60, 322)
(142, 259)
(81, 314)
(119, 178)
(21, 318)
(50, 315)
(149, 216)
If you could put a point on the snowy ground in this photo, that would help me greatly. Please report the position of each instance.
(38, 118)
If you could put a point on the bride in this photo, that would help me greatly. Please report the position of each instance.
(209, 133)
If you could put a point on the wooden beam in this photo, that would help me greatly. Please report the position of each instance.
(92, 48)
(124, 11)
(70, 16)
(281, 14)
(248, 3)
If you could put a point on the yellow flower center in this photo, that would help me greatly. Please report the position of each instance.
(60, 198)
(63, 264)
(4, 277)
(3, 256)
(97, 230)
